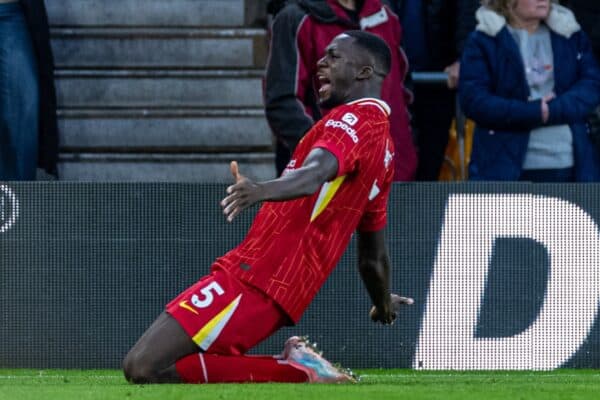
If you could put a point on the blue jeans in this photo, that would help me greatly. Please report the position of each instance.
(19, 97)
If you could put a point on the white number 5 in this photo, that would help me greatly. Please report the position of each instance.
(207, 294)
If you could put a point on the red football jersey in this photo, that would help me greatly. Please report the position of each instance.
(292, 246)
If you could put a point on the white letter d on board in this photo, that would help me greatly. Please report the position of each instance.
(472, 222)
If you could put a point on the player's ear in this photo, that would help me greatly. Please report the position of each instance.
(365, 73)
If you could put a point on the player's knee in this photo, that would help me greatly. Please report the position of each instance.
(137, 369)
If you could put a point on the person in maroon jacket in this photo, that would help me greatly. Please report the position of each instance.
(300, 33)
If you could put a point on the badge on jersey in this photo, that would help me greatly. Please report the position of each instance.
(350, 119)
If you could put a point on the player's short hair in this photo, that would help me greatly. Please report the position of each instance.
(375, 46)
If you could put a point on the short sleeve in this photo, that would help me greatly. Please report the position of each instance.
(342, 137)
(375, 216)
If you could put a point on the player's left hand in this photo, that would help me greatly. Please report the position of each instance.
(241, 195)
(387, 315)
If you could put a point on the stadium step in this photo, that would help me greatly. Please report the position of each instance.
(146, 12)
(144, 130)
(159, 88)
(163, 167)
(78, 48)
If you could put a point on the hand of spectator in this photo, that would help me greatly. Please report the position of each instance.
(545, 108)
(453, 72)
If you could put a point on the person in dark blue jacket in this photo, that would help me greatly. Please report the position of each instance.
(529, 79)
(434, 32)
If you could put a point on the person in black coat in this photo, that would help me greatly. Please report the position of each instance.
(587, 13)
(28, 123)
(434, 32)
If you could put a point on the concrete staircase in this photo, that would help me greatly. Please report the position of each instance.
(160, 90)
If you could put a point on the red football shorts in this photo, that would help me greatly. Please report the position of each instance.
(224, 316)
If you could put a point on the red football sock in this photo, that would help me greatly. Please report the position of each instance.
(212, 368)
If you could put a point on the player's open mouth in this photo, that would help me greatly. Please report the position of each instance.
(325, 87)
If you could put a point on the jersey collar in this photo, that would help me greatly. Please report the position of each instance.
(382, 105)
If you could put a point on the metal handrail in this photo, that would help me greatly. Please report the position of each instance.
(440, 78)
(429, 77)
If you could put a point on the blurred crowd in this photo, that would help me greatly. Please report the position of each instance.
(524, 71)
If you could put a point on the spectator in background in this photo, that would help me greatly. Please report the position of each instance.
(528, 80)
(300, 33)
(28, 127)
(434, 32)
(587, 13)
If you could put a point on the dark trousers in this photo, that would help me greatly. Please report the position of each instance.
(19, 97)
(548, 175)
(433, 110)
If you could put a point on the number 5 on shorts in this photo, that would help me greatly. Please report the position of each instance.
(207, 295)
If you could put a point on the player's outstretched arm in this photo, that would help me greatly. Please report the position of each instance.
(374, 268)
(320, 166)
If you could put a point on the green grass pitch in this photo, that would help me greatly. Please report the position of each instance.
(375, 384)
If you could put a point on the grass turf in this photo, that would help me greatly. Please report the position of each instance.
(375, 384)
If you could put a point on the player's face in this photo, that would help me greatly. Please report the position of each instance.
(336, 72)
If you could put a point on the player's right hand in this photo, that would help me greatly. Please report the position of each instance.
(241, 195)
(387, 315)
